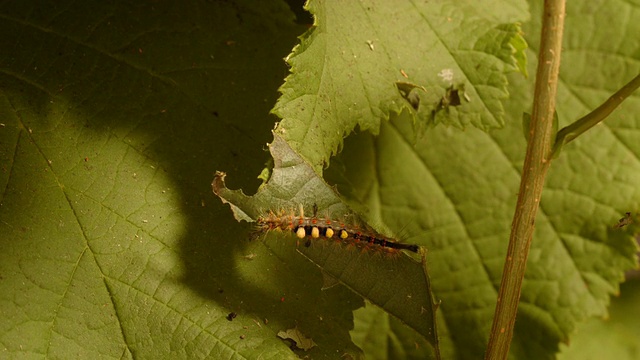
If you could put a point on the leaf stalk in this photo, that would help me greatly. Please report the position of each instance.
(572, 131)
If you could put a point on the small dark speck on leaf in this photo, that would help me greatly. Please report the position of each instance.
(231, 316)
(454, 97)
(626, 220)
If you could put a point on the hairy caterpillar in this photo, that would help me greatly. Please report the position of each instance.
(313, 227)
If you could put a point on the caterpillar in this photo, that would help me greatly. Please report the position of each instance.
(314, 228)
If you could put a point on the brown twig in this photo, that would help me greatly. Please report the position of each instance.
(534, 172)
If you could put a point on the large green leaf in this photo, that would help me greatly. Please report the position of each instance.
(461, 188)
(398, 284)
(352, 68)
(454, 192)
(384, 337)
(114, 116)
(617, 336)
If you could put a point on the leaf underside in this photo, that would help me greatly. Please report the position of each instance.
(397, 283)
(453, 192)
(345, 70)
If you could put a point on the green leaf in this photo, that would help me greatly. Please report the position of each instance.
(526, 126)
(457, 192)
(399, 285)
(617, 335)
(299, 339)
(381, 336)
(113, 117)
(345, 70)
(460, 208)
